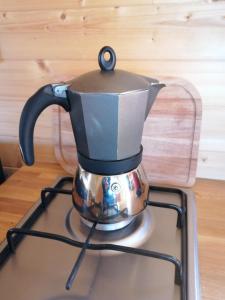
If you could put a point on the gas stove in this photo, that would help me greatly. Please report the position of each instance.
(155, 256)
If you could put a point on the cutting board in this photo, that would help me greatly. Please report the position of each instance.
(170, 137)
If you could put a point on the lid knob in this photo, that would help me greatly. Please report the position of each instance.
(107, 65)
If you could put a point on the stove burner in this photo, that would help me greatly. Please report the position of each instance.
(108, 227)
(135, 234)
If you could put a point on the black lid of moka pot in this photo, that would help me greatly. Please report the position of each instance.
(109, 80)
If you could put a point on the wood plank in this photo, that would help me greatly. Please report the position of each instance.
(24, 5)
(10, 116)
(155, 41)
(212, 144)
(12, 111)
(211, 164)
(113, 17)
(210, 197)
(213, 122)
(211, 254)
(17, 197)
(11, 129)
(11, 157)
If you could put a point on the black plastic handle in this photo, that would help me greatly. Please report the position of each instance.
(107, 65)
(32, 109)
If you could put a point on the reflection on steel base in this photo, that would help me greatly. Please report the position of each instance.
(110, 199)
(108, 227)
(134, 234)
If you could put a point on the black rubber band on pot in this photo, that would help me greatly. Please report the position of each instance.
(110, 167)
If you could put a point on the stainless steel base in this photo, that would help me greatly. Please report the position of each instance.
(110, 199)
(40, 267)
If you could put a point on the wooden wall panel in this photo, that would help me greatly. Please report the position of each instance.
(142, 44)
(50, 41)
(25, 5)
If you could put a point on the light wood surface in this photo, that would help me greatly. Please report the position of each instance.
(49, 41)
(210, 196)
(22, 190)
(170, 137)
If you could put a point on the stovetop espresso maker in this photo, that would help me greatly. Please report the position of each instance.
(107, 109)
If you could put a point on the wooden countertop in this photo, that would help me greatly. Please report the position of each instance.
(22, 189)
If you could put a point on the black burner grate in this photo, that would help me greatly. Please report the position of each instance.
(15, 235)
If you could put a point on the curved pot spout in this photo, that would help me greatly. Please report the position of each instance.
(154, 89)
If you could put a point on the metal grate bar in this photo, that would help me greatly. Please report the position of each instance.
(80, 258)
(66, 240)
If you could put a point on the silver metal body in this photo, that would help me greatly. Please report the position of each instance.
(108, 126)
(108, 109)
(110, 199)
(39, 267)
